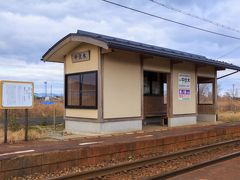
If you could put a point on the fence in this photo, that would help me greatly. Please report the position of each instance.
(41, 120)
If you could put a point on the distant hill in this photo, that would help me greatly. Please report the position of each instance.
(41, 95)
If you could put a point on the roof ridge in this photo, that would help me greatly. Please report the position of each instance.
(129, 45)
(90, 34)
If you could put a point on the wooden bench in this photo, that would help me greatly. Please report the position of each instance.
(161, 116)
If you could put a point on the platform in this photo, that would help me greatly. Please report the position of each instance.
(49, 156)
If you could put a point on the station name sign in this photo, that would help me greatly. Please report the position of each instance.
(16, 95)
(80, 56)
(184, 86)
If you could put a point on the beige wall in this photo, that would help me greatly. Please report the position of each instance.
(90, 65)
(206, 71)
(159, 64)
(81, 113)
(122, 78)
(184, 106)
(121, 85)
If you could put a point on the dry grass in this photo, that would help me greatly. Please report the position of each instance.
(16, 132)
(229, 116)
(14, 136)
(228, 109)
(227, 105)
(39, 110)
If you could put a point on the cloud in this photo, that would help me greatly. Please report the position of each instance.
(20, 70)
(29, 28)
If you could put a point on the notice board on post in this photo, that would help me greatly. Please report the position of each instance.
(16, 95)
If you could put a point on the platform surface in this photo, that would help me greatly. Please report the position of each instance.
(41, 146)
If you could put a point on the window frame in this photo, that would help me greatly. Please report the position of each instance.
(199, 93)
(150, 84)
(80, 106)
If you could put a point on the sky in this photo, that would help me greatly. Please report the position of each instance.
(30, 27)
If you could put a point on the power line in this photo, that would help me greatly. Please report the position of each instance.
(172, 21)
(195, 16)
(228, 53)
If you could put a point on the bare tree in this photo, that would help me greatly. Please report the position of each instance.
(205, 93)
(219, 89)
(234, 94)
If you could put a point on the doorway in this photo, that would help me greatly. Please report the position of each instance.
(155, 98)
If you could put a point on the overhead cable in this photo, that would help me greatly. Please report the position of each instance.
(195, 16)
(172, 21)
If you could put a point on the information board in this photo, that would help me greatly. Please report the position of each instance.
(184, 86)
(16, 95)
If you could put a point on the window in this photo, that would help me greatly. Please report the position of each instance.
(89, 86)
(151, 84)
(205, 93)
(73, 88)
(81, 90)
(147, 90)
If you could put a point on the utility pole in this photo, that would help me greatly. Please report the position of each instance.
(45, 85)
(233, 92)
(51, 91)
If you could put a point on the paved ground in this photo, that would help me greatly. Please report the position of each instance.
(226, 170)
(10, 150)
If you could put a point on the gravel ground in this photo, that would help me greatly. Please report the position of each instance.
(172, 165)
(142, 172)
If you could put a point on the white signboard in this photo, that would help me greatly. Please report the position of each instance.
(17, 94)
(80, 56)
(184, 81)
(184, 86)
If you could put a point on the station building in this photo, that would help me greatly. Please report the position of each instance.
(116, 85)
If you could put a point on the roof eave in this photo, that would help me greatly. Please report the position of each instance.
(168, 55)
(54, 55)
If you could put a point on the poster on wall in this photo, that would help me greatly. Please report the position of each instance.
(184, 86)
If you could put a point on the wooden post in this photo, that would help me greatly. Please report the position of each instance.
(100, 85)
(142, 87)
(26, 124)
(215, 95)
(5, 124)
(170, 93)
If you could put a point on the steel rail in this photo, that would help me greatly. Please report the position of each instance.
(145, 162)
(193, 167)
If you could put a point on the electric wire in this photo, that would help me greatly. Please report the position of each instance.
(194, 16)
(228, 53)
(172, 21)
(202, 19)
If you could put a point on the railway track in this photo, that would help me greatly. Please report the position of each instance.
(191, 168)
(131, 166)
